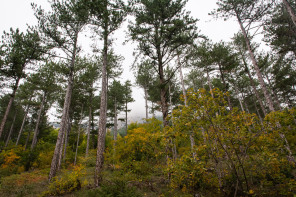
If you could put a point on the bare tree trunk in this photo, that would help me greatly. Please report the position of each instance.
(258, 72)
(225, 87)
(182, 81)
(89, 126)
(103, 115)
(11, 129)
(9, 106)
(23, 124)
(36, 131)
(61, 151)
(78, 136)
(210, 84)
(115, 121)
(253, 86)
(65, 116)
(239, 99)
(290, 11)
(27, 140)
(67, 137)
(146, 101)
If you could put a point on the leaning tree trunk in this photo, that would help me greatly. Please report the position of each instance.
(256, 67)
(163, 91)
(23, 124)
(103, 115)
(64, 122)
(9, 106)
(36, 131)
(253, 85)
(210, 84)
(290, 11)
(10, 131)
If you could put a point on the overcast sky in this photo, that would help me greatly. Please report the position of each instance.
(18, 13)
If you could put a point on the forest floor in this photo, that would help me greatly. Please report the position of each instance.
(115, 183)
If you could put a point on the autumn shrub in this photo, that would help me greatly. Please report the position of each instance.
(116, 188)
(228, 151)
(139, 149)
(69, 181)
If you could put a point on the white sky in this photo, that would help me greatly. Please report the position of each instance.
(18, 13)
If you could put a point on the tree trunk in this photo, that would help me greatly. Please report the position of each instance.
(253, 85)
(78, 136)
(23, 124)
(67, 137)
(36, 131)
(65, 116)
(146, 101)
(9, 106)
(115, 121)
(290, 11)
(89, 125)
(10, 131)
(103, 114)
(61, 151)
(182, 81)
(210, 84)
(225, 86)
(27, 140)
(258, 72)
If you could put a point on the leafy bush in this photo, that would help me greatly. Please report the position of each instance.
(117, 188)
(70, 181)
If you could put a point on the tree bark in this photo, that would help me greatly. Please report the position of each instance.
(9, 106)
(10, 131)
(69, 126)
(65, 116)
(103, 114)
(182, 81)
(23, 124)
(253, 85)
(146, 101)
(78, 136)
(36, 131)
(290, 11)
(258, 72)
(89, 125)
(115, 121)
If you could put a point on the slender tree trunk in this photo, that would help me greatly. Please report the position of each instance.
(182, 81)
(15, 87)
(253, 85)
(36, 131)
(69, 126)
(146, 101)
(61, 151)
(103, 114)
(78, 136)
(290, 11)
(89, 125)
(239, 99)
(126, 110)
(10, 131)
(23, 124)
(115, 121)
(27, 140)
(65, 116)
(225, 86)
(258, 72)
(210, 84)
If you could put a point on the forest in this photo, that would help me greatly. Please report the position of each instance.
(220, 117)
